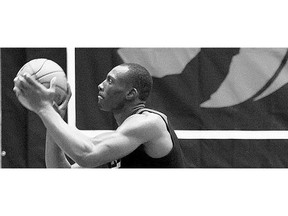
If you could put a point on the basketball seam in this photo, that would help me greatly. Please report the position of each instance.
(57, 71)
(41, 66)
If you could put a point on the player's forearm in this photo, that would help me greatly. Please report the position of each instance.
(54, 156)
(69, 139)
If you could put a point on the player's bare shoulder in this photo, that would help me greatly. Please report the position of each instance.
(154, 119)
(145, 124)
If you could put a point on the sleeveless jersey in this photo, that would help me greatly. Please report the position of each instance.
(139, 159)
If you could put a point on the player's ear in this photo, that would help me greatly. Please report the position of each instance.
(132, 94)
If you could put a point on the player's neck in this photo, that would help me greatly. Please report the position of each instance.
(127, 111)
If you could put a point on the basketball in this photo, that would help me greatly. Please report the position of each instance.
(44, 70)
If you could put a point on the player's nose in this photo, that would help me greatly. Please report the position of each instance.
(100, 87)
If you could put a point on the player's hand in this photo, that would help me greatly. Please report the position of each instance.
(35, 94)
(62, 108)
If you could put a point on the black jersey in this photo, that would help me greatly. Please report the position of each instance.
(139, 159)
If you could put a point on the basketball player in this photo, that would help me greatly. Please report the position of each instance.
(144, 138)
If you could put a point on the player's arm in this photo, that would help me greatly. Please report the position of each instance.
(54, 156)
(118, 144)
(101, 149)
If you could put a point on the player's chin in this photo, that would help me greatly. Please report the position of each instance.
(102, 106)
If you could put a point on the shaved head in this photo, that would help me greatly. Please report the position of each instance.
(138, 77)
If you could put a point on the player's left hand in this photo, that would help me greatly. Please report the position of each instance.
(36, 95)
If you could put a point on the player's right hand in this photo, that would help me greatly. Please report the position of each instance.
(62, 108)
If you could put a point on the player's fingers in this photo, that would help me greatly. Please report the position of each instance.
(64, 105)
(17, 91)
(69, 92)
(55, 106)
(32, 81)
(16, 81)
(22, 83)
(53, 84)
(67, 98)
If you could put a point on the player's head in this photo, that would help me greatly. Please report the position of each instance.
(125, 83)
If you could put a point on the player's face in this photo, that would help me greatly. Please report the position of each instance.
(112, 91)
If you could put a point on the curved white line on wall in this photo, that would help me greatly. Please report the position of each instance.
(160, 62)
(249, 71)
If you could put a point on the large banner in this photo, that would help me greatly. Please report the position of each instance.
(201, 89)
